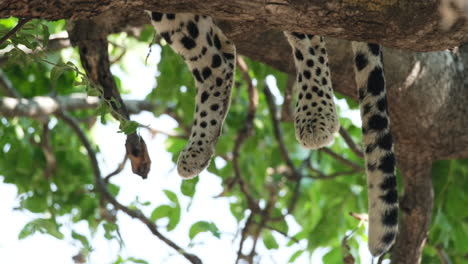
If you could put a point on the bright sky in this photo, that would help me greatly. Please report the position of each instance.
(139, 242)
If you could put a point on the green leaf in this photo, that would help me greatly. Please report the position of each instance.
(45, 35)
(295, 256)
(269, 240)
(128, 127)
(160, 212)
(57, 71)
(203, 226)
(188, 187)
(84, 241)
(172, 196)
(41, 225)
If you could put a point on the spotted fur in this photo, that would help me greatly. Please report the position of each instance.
(315, 118)
(378, 146)
(211, 58)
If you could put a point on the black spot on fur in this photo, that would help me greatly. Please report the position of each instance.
(366, 109)
(299, 77)
(378, 122)
(192, 29)
(376, 82)
(219, 81)
(385, 141)
(312, 51)
(361, 61)
(197, 75)
(390, 197)
(216, 94)
(382, 105)
(216, 61)
(362, 94)
(389, 183)
(217, 43)
(318, 71)
(170, 16)
(203, 124)
(324, 81)
(188, 43)
(203, 113)
(204, 97)
(214, 107)
(167, 37)
(213, 122)
(390, 217)
(310, 63)
(228, 56)
(298, 55)
(306, 74)
(208, 39)
(374, 48)
(387, 163)
(389, 237)
(206, 72)
(156, 16)
(298, 35)
(321, 59)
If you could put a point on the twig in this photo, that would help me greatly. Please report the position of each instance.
(283, 233)
(277, 129)
(351, 144)
(245, 132)
(7, 88)
(102, 189)
(287, 108)
(443, 258)
(117, 170)
(341, 159)
(244, 233)
(13, 31)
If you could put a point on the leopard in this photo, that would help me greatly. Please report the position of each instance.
(211, 58)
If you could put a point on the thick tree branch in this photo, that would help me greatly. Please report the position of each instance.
(405, 24)
(416, 207)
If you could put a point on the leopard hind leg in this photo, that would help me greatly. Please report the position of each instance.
(315, 117)
(211, 58)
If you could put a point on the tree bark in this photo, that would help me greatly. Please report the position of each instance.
(405, 24)
(416, 207)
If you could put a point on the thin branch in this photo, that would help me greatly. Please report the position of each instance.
(351, 144)
(102, 189)
(287, 107)
(244, 236)
(277, 129)
(7, 88)
(245, 132)
(117, 170)
(295, 240)
(13, 31)
(345, 161)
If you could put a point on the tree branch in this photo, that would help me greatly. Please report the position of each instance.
(41, 106)
(405, 24)
(13, 31)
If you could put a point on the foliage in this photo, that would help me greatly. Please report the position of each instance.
(322, 205)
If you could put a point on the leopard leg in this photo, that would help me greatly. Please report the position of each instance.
(211, 58)
(315, 114)
(378, 144)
